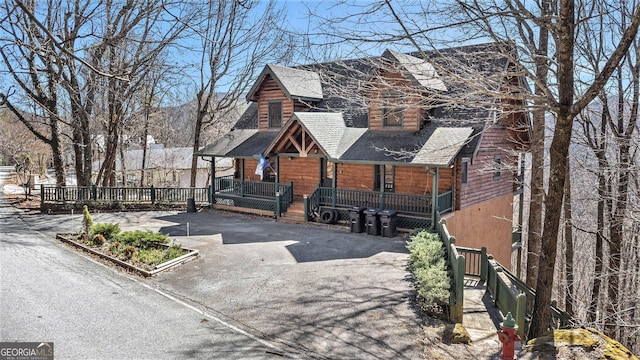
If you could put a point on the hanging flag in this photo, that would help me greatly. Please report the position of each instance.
(262, 165)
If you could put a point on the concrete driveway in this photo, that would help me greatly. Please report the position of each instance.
(312, 291)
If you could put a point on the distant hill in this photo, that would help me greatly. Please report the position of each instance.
(173, 126)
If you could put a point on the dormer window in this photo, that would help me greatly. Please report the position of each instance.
(275, 114)
(393, 109)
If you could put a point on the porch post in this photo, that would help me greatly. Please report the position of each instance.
(334, 184)
(213, 179)
(242, 177)
(434, 197)
(277, 181)
(383, 170)
(213, 171)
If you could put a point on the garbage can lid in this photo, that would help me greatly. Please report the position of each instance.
(388, 212)
(372, 211)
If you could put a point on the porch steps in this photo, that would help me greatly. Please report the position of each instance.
(294, 214)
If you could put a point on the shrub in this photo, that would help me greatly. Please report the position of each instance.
(150, 256)
(142, 239)
(129, 251)
(98, 240)
(174, 251)
(427, 263)
(108, 230)
(115, 248)
(87, 220)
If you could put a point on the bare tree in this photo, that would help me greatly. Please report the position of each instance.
(236, 39)
(545, 34)
(29, 61)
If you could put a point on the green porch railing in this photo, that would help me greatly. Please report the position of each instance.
(258, 195)
(405, 203)
(457, 264)
(445, 202)
(152, 195)
(509, 293)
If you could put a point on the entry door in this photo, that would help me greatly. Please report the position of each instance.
(326, 173)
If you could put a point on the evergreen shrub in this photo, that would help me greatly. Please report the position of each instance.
(429, 268)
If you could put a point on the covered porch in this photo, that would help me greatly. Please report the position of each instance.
(271, 198)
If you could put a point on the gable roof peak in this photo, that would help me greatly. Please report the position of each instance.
(295, 83)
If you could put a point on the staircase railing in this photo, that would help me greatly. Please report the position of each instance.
(509, 293)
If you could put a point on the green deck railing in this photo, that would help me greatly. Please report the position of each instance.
(405, 203)
(509, 293)
(142, 195)
(457, 264)
(258, 195)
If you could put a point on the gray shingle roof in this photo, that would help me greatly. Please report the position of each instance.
(228, 142)
(442, 146)
(340, 91)
(296, 83)
(421, 71)
(255, 145)
(329, 131)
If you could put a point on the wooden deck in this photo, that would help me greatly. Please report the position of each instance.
(481, 317)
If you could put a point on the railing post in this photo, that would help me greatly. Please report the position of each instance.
(278, 209)
(94, 193)
(484, 263)
(305, 201)
(382, 196)
(41, 195)
(496, 294)
(521, 308)
(334, 196)
(153, 195)
(210, 194)
(242, 188)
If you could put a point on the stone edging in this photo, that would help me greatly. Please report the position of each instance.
(192, 254)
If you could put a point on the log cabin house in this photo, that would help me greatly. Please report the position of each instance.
(391, 132)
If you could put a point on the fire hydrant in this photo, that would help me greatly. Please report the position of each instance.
(508, 337)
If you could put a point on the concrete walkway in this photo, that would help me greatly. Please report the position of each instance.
(481, 318)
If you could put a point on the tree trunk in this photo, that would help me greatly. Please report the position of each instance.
(568, 238)
(145, 133)
(537, 154)
(537, 198)
(56, 153)
(559, 151)
(201, 112)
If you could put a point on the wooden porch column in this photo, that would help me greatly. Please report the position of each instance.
(434, 197)
(213, 173)
(383, 172)
(277, 180)
(242, 177)
(213, 180)
(334, 184)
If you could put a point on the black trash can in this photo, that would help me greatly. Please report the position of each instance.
(356, 219)
(388, 221)
(372, 222)
(191, 205)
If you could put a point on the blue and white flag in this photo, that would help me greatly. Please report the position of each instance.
(262, 165)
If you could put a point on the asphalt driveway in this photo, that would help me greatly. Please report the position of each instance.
(313, 291)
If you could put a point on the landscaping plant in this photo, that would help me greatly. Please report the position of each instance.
(142, 239)
(427, 263)
(108, 230)
(87, 220)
